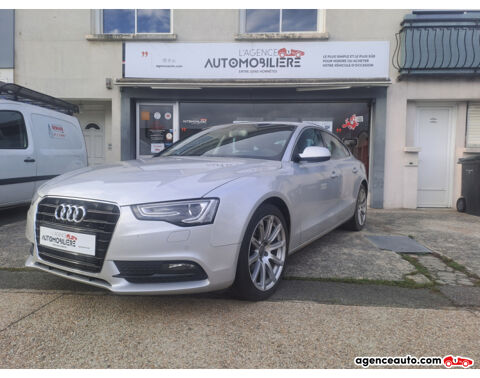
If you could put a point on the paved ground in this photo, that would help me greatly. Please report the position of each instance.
(100, 331)
(445, 231)
(13, 244)
(346, 255)
(342, 298)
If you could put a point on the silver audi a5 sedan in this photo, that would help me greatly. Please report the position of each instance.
(225, 207)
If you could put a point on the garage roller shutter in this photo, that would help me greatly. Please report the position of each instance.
(473, 124)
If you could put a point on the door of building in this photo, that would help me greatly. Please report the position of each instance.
(157, 127)
(434, 136)
(92, 121)
(94, 139)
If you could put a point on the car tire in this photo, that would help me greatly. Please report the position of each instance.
(359, 218)
(461, 205)
(262, 255)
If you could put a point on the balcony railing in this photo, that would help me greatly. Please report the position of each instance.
(438, 46)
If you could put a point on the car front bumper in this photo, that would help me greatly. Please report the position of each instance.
(149, 241)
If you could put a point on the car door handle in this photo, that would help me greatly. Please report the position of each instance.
(355, 170)
(29, 160)
(333, 174)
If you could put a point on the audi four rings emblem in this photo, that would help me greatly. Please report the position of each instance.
(70, 213)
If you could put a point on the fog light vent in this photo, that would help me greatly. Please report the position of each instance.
(159, 271)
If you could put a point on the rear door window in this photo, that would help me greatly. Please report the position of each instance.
(13, 134)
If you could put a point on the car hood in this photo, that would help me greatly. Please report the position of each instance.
(154, 179)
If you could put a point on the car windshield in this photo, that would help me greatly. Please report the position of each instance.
(258, 141)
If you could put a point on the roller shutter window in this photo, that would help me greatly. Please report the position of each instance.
(473, 125)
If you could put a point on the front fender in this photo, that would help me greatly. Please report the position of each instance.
(238, 201)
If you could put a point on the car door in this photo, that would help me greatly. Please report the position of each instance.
(347, 169)
(17, 160)
(317, 188)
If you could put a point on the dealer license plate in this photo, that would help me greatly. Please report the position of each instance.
(67, 241)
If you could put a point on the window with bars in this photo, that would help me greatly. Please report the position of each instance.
(136, 21)
(473, 125)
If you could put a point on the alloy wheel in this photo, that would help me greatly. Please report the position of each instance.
(362, 206)
(267, 252)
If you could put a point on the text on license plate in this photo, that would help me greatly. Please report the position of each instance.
(67, 241)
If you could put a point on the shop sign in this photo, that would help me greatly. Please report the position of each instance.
(257, 60)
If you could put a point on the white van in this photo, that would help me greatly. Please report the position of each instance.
(36, 144)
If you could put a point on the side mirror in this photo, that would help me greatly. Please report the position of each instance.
(314, 154)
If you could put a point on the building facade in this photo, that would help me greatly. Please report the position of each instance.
(403, 101)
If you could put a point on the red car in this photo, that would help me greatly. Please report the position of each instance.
(449, 361)
(296, 53)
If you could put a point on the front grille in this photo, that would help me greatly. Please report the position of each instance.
(100, 221)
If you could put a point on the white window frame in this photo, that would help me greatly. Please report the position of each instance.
(99, 25)
(320, 24)
(472, 132)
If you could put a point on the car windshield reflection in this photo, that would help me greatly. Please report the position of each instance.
(239, 140)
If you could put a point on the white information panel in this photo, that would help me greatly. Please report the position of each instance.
(257, 60)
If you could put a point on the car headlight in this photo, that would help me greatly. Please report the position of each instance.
(182, 213)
